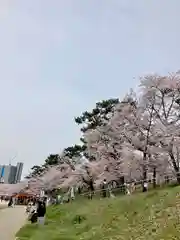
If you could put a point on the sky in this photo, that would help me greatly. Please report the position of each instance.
(59, 57)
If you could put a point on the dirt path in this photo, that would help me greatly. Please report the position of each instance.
(11, 220)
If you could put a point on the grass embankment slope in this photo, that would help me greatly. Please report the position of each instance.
(151, 216)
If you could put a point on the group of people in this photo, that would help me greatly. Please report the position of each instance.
(37, 211)
(126, 188)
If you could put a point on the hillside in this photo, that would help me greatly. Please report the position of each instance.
(155, 215)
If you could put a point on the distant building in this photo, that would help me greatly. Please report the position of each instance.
(19, 169)
(11, 174)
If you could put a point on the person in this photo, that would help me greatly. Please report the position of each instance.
(72, 193)
(10, 202)
(133, 187)
(48, 201)
(66, 197)
(104, 188)
(41, 212)
(111, 195)
(29, 207)
(33, 216)
(127, 188)
(145, 187)
(13, 201)
(58, 199)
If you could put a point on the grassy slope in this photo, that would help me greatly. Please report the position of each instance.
(151, 216)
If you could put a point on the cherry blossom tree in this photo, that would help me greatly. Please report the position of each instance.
(162, 93)
(101, 148)
(141, 136)
(131, 129)
(11, 189)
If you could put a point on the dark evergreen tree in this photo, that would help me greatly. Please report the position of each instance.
(98, 116)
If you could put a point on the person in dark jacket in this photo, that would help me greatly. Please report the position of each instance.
(10, 202)
(41, 212)
(104, 188)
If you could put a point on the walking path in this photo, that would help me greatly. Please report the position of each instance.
(11, 220)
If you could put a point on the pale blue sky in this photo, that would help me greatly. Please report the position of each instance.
(58, 57)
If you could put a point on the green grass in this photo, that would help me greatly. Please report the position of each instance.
(151, 216)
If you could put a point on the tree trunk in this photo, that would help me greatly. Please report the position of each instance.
(144, 166)
(79, 190)
(154, 177)
(144, 171)
(176, 167)
(166, 179)
(178, 177)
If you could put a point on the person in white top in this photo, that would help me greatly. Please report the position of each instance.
(72, 193)
(145, 186)
(128, 189)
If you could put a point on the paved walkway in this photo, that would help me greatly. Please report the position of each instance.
(11, 220)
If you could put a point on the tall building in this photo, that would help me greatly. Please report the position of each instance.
(11, 174)
(19, 169)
